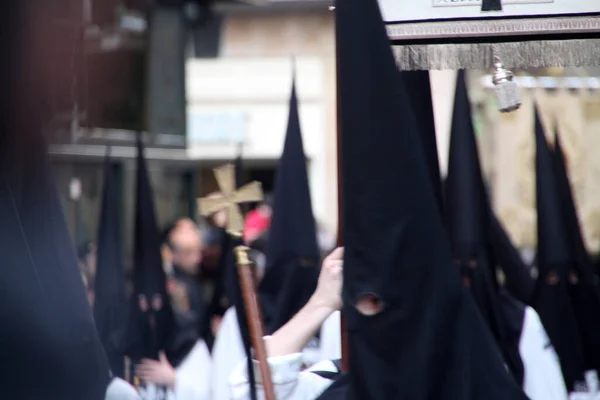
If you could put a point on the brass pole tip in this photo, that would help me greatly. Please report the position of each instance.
(241, 253)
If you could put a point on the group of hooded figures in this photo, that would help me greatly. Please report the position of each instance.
(460, 315)
(446, 326)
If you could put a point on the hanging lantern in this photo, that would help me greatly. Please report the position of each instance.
(505, 88)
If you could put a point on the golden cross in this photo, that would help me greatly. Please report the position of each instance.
(230, 198)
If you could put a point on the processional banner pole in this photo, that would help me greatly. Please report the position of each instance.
(340, 237)
(254, 317)
(230, 201)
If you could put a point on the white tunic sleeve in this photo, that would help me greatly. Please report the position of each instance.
(331, 338)
(121, 390)
(193, 375)
(290, 383)
(228, 351)
(543, 379)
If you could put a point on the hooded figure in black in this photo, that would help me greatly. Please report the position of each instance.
(50, 347)
(292, 254)
(110, 304)
(517, 279)
(152, 316)
(551, 299)
(221, 298)
(418, 87)
(428, 341)
(219, 302)
(467, 213)
(582, 282)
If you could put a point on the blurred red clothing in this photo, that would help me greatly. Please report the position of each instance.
(256, 224)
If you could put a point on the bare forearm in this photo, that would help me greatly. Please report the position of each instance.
(295, 335)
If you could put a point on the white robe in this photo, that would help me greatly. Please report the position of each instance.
(590, 392)
(584, 396)
(289, 381)
(118, 389)
(543, 378)
(228, 350)
(192, 380)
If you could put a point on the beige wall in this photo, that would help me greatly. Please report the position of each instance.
(507, 150)
(256, 92)
(506, 146)
(443, 86)
(576, 114)
(309, 34)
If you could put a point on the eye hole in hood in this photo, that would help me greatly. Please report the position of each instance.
(369, 304)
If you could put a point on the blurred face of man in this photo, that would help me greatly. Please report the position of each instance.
(186, 243)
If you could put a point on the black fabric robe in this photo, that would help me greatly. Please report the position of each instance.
(110, 301)
(292, 253)
(396, 247)
(48, 335)
(149, 329)
(551, 298)
(49, 345)
(583, 284)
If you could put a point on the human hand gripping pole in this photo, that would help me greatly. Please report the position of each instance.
(229, 202)
(296, 333)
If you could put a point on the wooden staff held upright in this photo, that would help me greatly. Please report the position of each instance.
(229, 201)
(340, 236)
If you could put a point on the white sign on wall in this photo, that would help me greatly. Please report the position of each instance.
(421, 10)
(212, 127)
(462, 3)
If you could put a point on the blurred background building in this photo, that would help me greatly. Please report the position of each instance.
(204, 81)
(207, 81)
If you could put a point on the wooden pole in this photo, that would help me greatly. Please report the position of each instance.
(340, 242)
(254, 318)
(340, 236)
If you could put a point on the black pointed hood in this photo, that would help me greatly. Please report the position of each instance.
(553, 244)
(48, 335)
(418, 86)
(582, 282)
(48, 340)
(468, 215)
(292, 250)
(150, 278)
(395, 245)
(464, 194)
(518, 280)
(154, 321)
(467, 208)
(110, 302)
(551, 300)
(583, 262)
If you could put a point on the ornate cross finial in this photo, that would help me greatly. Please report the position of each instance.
(230, 198)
